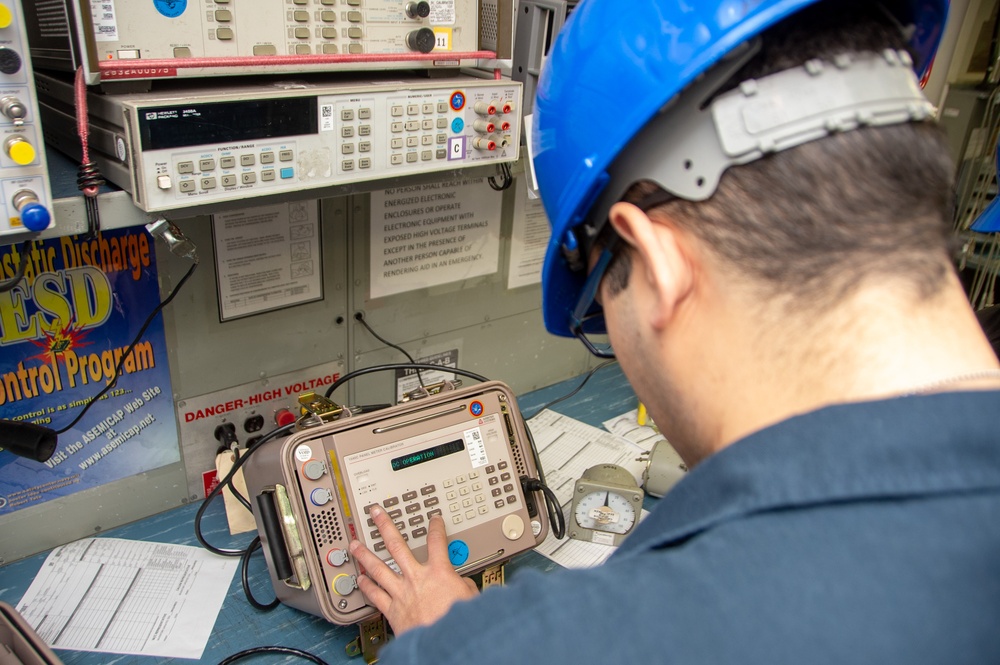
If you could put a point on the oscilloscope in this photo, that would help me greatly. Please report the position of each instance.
(25, 196)
(119, 40)
(458, 454)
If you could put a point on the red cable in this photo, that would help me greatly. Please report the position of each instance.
(82, 126)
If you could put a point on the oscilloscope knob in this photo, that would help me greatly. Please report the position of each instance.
(421, 40)
(34, 215)
(418, 9)
(13, 108)
(10, 61)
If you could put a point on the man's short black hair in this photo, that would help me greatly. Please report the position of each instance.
(812, 223)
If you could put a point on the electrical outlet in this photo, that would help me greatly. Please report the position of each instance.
(245, 412)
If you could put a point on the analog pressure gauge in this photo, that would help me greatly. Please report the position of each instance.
(606, 505)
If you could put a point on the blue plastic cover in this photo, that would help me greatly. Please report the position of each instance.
(989, 219)
(612, 67)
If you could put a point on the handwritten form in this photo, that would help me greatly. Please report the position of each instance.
(128, 597)
(567, 448)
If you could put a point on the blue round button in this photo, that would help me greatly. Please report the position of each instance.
(458, 552)
(35, 217)
(476, 409)
(457, 100)
(457, 125)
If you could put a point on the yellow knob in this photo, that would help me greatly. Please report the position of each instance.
(21, 152)
(6, 17)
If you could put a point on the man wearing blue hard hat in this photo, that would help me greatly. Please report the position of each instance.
(752, 200)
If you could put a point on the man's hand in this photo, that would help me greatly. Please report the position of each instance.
(422, 593)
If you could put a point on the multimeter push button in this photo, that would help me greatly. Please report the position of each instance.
(458, 552)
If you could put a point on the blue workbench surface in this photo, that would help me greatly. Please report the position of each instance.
(239, 626)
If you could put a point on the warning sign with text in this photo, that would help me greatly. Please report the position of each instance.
(431, 234)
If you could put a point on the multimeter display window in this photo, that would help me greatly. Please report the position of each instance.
(226, 122)
(427, 454)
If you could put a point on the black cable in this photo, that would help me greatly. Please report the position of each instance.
(121, 361)
(360, 317)
(228, 481)
(506, 178)
(239, 497)
(556, 518)
(394, 366)
(572, 392)
(283, 650)
(534, 450)
(245, 578)
(22, 267)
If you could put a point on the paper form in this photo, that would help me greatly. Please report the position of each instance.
(567, 448)
(128, 597)
(571, 553)
(627, 426)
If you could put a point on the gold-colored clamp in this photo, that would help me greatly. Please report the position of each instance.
(373, 635)
(494, 575)
(319, 406)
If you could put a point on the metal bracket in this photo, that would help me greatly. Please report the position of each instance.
(367, 644)
(494, 575)
(321, 407)
(295, 549)
(431, 389)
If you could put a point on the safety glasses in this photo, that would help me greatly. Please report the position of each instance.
(588, 316)
(587, 319)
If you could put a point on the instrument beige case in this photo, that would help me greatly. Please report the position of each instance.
(459, 453)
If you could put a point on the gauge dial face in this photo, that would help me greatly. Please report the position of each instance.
(605, 510)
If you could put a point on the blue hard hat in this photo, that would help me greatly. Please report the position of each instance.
(611, 70)
(989, 219)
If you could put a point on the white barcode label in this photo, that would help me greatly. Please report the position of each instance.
(476, 447)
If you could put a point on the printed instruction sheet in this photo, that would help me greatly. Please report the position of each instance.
(267, 257)
(529, 239)
(128, 597)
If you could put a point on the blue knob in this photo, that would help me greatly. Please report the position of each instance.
(35, 217)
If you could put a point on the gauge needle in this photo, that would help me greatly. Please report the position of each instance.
(607, 498)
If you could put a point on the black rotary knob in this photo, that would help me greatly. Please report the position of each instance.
(421, 40)
(420, 9)
(10, 61)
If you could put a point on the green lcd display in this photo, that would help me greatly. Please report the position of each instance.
(427, 454)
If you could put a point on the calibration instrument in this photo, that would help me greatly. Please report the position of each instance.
(25, 197)
(118, 40)
(210, 142)
(664, 468)
(459, 454)
(606, 505)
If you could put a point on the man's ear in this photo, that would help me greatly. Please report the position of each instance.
(661, 259)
